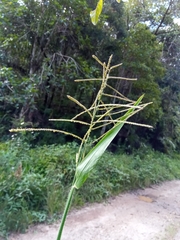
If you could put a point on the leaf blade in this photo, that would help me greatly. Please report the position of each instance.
(96, 13)
(90, 160)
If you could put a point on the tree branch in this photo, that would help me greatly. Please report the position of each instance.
(163, 18)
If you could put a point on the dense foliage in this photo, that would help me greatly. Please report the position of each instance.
(45, 45)
(34, 182)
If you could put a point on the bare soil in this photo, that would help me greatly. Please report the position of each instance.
(149, 214)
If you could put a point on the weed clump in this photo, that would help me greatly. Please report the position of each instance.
(39, 193)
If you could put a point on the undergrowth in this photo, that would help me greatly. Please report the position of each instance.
(34, 182)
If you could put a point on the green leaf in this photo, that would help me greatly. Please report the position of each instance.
(118, 1)
(96, 13)
(88, 163)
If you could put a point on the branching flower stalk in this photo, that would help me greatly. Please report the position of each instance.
(101, 114)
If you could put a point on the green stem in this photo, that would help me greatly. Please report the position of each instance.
(68, 204)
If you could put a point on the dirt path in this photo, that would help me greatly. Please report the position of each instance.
(150, 214)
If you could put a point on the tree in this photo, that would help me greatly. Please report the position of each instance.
(38, 38)
(48, 44)
(160, 17)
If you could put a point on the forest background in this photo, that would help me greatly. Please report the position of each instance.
(45, 46)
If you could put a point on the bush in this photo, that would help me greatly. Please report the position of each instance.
(34, 181)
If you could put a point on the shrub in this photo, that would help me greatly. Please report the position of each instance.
(34, 182)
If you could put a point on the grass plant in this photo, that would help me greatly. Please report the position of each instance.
(102, 113)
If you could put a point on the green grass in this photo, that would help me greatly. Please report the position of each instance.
(37, 191)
